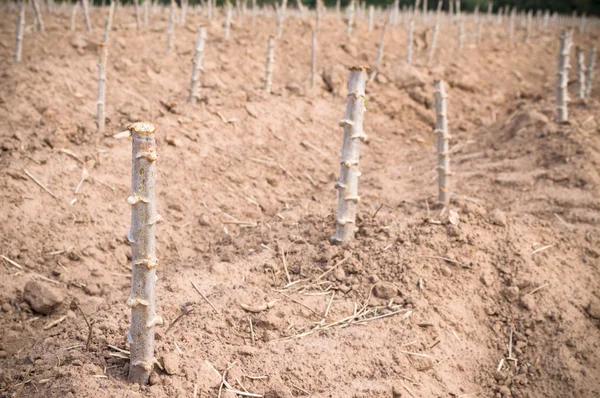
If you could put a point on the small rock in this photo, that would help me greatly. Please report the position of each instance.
(511, 293)
(171, 363)
(278, 391)
(385, 290)
(498, 217)
(339, 274)
(397, 391)
(172, 141)
(42, 298)
(593, 309)
(93, 289)
(204, 220)
(453, 217)
(344, 289)
(487, 278)
(453, 231)
(445, 270)
(528, 302)
(6, 307)
(270, 335)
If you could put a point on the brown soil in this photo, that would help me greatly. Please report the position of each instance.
(522, 183)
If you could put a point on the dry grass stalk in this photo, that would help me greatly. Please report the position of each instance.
(347, 184)
(20, 30)
(171, 27)
(313, 60)
(197, 65)
(411, 31)
(86, 13)
(37, 12)
(434, 36)
(443, 136)
(590, 71)
(269, 65)
(142, 238)
(581, 72)
(562, 97)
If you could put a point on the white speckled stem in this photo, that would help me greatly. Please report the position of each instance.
(184, 7)
(590, 71)
(270, 64)
(318, 16)
(38, 15)
(371, 17)
(337, 9)
(171, 27)
(20, 29)
(86, 14)
(197, 65)
(411, 30)
(209, 9)
(580, 57)
(441, 130)
(347, 184)
(280, 16)
(562, 80)
(142, 238)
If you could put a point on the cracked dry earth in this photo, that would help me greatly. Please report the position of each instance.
(503, 304)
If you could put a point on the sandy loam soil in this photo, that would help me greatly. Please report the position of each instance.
(244, 177)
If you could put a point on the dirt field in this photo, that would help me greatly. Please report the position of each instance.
(244, 177)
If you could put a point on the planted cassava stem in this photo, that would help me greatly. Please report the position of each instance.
(38, 15)
(20, 30)
(590, 71)
(138, 17)
(411, 29)
(350, 18)
(347, 184)
(441, 130)
(171, 27)
(562, 80)
(73, 15)
(197, 65)
(102, 63)
(313, 60)
(142, 238)
(86, 14)
(434, 36)
(227, 23)
(581, 72)
(380, 46)
(371, 17)
(269, 65)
